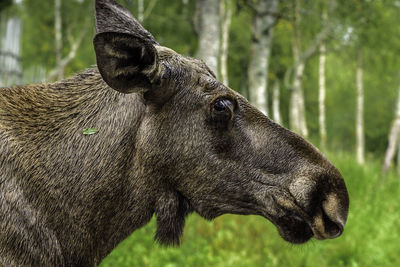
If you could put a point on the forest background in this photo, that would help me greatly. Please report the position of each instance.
(327, 69)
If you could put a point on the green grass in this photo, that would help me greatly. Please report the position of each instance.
(371, 237)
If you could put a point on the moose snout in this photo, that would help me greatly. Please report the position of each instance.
(330, 219)
(325, 201)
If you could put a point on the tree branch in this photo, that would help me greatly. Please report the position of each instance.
(74, 43)
(308, 53)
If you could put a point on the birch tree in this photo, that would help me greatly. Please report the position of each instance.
(10, 52)
(209, 32)
(297, 104)
(264, 19)
(322, 87)
(140, 11)
(58, 40)
(226, 15)
(276, 102)
(393, 140)
(294, 75)
(74, 43)
(360, 110)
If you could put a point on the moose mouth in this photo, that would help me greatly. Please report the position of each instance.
(297, 227)
(294, 229)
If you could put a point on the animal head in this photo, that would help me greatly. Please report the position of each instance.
(212, 151)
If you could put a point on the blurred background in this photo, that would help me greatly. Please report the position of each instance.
(327, 69)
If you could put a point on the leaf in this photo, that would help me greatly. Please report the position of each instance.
(90, 131)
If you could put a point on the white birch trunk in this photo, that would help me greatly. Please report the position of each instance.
(297, 103)
(297, 112)
(302, 106)
(322, 85)
(209, 33)
(294, 118)
(393, 138)
(321, 96)
(10, 68)
(398, 157)
(276, 103)
(58, 41)
(140, 11)
(262, 33)
(360, 111)
(226, 14)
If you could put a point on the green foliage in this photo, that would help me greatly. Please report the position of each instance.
(370, 239)
(38, 37)
(4, 4)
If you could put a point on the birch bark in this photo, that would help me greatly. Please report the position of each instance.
(226, 14)
(393, 138)
(297, 104)
(262, 32)
(10, 68)
(360, 111)
(321, 96)
(276, 103)
(58, 41)
(209, 31)
(140, 11)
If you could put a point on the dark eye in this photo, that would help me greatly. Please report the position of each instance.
(222, 112)
(222, 104)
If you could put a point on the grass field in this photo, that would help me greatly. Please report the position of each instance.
(371, 237)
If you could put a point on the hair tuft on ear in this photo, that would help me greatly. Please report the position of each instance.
(127, 63)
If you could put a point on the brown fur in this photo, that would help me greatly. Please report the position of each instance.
(162, 148)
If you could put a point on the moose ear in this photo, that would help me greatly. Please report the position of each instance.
(112, 17)
(127, 63)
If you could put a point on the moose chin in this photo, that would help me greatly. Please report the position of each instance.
(171, 140)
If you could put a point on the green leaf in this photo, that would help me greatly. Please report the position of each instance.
(90, 131)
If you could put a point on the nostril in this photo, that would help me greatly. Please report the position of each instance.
(334, 215)
(332, 229)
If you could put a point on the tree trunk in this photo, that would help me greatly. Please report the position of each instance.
(10, 69)
(321, 97)
(59, 46)
(322, 86)
(302, 106)
(398, 157)
(226, 14)
(264, 19)
(140, 11)
(209, 31)
(276, 103)
(393, 138)
(297, 104)
(360, 111)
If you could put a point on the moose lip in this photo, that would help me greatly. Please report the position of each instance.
(294, 225)
(294, 229)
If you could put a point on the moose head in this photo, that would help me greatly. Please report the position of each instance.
(206, 148)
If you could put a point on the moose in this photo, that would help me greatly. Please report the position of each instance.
(171, 140)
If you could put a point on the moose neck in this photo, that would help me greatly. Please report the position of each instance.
(94, 173)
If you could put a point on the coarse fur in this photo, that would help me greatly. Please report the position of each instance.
(171, 140)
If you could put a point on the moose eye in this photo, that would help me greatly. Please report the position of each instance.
(222, 112)
(222, 104)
